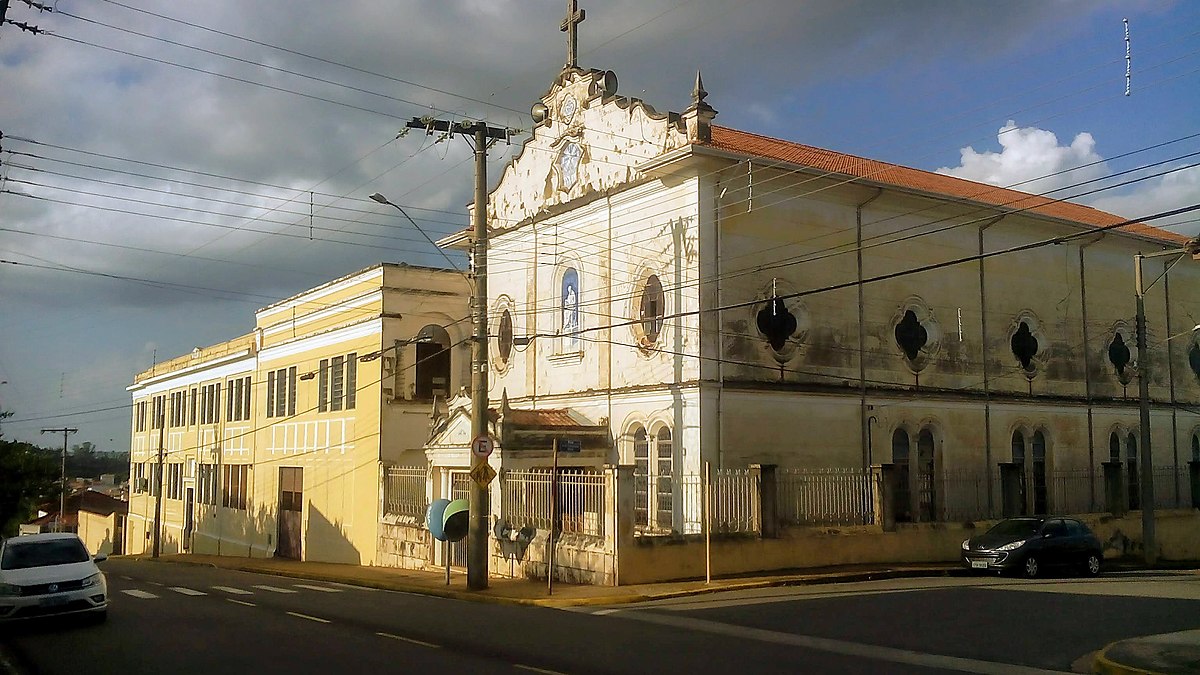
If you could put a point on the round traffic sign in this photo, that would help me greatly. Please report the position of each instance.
(481, 446)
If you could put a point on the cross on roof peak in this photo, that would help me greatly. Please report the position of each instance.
(570, 26)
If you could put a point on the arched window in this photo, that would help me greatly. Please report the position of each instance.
(641, 476)
(927, 480)
(1131, 470)
(1038, 473)
(1114, 447)
(1196, 447)
(1018, 447)
(664, 477)
(1018, 459)
(900, 452)
(432, 362)
(569, 322)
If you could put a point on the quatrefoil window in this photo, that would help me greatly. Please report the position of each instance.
(1024, 346)
(911, 335)
(777, 322)
(1119, 355)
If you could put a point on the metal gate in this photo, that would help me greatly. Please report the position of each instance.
(460, 488)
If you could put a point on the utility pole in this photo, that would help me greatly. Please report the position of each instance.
(62, 497)
(481, 136)
(1149, 539)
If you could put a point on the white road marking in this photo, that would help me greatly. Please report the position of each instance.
(404, 639)
(538, 670)
(230, 589)
(155, 583)
(839, 646)
(352, 587)
(605, 612)
(126, 578)
(274, 589)
(140, 594)
(187, 591)
(310, 618)
(242, 602)
(323, 589)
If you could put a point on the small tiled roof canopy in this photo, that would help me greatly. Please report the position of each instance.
(840, 164)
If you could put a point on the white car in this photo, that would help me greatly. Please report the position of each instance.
(50, 574)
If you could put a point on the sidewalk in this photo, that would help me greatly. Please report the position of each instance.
(1168, 653)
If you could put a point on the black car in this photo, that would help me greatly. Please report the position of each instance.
(1031, 546)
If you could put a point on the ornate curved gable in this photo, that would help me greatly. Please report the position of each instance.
(586, 139)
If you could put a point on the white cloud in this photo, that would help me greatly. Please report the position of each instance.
(1172, 191)
(1031, 160)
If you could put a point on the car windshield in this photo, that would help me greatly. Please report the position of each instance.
(43, 553)
(1016, 528)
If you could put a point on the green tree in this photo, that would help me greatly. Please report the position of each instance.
(28, 477)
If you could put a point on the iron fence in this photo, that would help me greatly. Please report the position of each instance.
(404, 493)
(1077, 490)
(525, 500)
(1172, 487)
(963, 495)
(733, 504)
(819, 497)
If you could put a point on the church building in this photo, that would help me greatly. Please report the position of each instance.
(711, 295)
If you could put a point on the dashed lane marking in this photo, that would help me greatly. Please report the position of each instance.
(404, 639)
(139, 594)
(274, 589)
(352, 587)
(242, 602)
(323, 589)
(537, 670)
(230, 589)
(605, 612)
(187, 591)
(310, 618)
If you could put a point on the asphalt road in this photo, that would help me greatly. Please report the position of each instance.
(186, 619)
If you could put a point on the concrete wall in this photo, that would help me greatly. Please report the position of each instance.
(646, 560)
(404, 545)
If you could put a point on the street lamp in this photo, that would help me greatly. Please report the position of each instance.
(377, 197)
(1192, 248)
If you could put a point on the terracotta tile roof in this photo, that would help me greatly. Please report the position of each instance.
(742, 142)
(542, 418)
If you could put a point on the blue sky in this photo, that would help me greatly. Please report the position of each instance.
(222, 168)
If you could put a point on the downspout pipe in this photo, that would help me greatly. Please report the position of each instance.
(1087, 371)
(864, 428)
(718, 194)
(987, 381)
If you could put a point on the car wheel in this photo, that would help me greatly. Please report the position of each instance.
(1031, 568)
(1091, 566)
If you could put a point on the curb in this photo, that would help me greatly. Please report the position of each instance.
(1102, 665)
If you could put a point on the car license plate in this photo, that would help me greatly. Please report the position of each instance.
(53, 601)
(979, 564)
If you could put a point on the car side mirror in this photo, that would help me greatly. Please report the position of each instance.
(100, 557)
